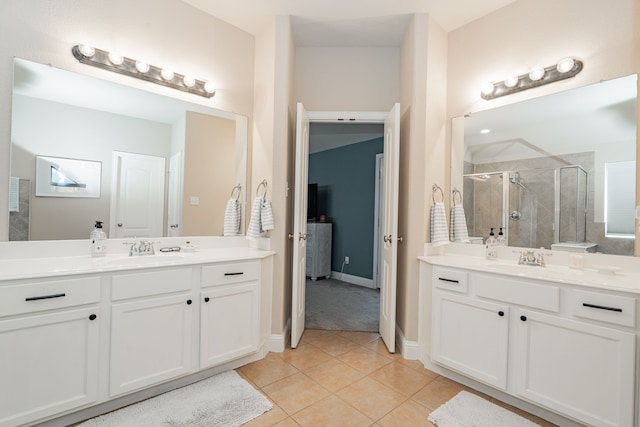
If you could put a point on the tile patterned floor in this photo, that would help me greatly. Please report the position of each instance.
(349, 379)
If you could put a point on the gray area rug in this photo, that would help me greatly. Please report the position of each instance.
(224, 400)
(338, 306)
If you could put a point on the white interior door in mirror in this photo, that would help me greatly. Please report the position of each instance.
(137, 204)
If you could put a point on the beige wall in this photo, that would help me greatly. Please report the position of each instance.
(208, 174)
(45, 31)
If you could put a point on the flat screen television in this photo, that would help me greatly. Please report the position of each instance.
(312, 202)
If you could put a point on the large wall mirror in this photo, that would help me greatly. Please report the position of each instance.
(85, 149)
(557, 171)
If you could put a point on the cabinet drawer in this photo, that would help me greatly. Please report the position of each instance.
(614, 309)
(48, 295)
(233, 272)
(450, 279)
(158, 282)
(519, 292)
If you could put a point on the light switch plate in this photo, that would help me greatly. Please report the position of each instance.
(195, 200)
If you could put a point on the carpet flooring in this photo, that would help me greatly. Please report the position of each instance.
(339, 306)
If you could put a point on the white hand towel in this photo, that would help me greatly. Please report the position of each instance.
(439, 231)
(232, 218)
(266, 216)
(254, 229)
(14, 194)
(459, 232)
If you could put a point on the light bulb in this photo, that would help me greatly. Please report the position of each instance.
(86, 50)
(142, 66)
(116, 58)
(483, 131)
(536, 73)
(488, 89)
(511, 81)
(209, 87)
(189, 81)
(565, 65)
(167, 74)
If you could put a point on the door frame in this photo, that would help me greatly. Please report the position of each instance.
(347, 117)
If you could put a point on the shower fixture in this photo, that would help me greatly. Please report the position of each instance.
(515, 179)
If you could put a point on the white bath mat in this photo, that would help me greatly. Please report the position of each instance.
(468, 410)
(224, 400)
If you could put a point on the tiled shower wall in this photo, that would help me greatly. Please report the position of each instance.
(536, 206)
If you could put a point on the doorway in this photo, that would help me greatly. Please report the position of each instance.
(389, 217)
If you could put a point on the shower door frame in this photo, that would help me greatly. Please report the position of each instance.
(505, 197)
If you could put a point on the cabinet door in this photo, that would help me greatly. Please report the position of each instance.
(471, 337)
(230, 323)
(48, 364)
(579, 369)
(151, 341)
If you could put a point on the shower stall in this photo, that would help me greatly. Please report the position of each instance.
(534, 207)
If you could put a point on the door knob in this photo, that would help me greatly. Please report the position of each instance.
(290, 236)
(303, 236)
(387, 239)
(400, 239)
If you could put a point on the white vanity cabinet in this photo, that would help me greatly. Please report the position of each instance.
(151, 328)
(49, 347)
(565, 349)
(230, 311)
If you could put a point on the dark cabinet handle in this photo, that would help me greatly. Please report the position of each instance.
(44, 297)
(240, 273)
(501, 313)
(602, 307)
(523, 318)
(448, 280)
(189, 302)
(206, 299)
(93, 317)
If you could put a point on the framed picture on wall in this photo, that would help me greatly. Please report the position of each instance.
(60, 177)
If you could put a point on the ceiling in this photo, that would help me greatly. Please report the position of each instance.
(346, 23)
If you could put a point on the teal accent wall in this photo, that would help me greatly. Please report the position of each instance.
(346, 195)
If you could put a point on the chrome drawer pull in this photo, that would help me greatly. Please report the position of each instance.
(448, 280)
(44, 297)
(234, 274)
(602, 307)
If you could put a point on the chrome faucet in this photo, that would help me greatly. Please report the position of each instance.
(144, 247)
(531, 258)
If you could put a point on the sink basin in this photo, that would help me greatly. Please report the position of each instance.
(145, 260)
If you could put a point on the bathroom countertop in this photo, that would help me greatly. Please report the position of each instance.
(37, 267)
(592, 275)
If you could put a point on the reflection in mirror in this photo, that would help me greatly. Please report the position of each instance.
(168, 167)
(555, 172)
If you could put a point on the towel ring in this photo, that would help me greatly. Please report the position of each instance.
(459, 194)
(239, 188)
(262, 184)
(436, 188)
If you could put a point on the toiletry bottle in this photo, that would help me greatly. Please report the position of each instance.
(98, 240)
(492, 246)
(501, 239)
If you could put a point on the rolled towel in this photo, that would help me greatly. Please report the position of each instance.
(232, 218)
(459, 232)
(439, 231)
(254, 230)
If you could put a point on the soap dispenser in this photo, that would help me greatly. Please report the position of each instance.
(492, 246)
(98, 240)
(501, 239)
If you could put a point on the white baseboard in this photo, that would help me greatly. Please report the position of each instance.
(278, 342)
(410, 350)
(354, 280)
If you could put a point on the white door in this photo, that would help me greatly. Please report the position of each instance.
(137, 195)
(299, 226)
(174, 195)
(390, 228)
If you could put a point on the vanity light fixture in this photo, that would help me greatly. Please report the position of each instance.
(538, 76)
(117, 63)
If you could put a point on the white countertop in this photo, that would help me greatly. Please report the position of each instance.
(68, 264)
(604, 272)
